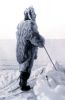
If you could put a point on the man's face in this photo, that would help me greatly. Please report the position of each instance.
(30, 13)
(33, 15)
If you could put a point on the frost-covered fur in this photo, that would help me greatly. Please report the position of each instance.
(28, 41)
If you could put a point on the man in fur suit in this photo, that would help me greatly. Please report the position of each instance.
(28, 41)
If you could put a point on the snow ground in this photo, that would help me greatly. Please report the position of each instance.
(9, 81)
(49, 84)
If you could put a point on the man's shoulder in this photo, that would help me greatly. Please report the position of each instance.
(20, 23)
(27, 23)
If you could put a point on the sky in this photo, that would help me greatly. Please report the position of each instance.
(50, 17)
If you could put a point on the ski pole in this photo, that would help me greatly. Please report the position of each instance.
(50, 58)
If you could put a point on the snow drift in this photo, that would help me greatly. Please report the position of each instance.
(51, 84)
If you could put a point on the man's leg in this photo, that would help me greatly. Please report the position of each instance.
(25, 74)
(23, 81)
